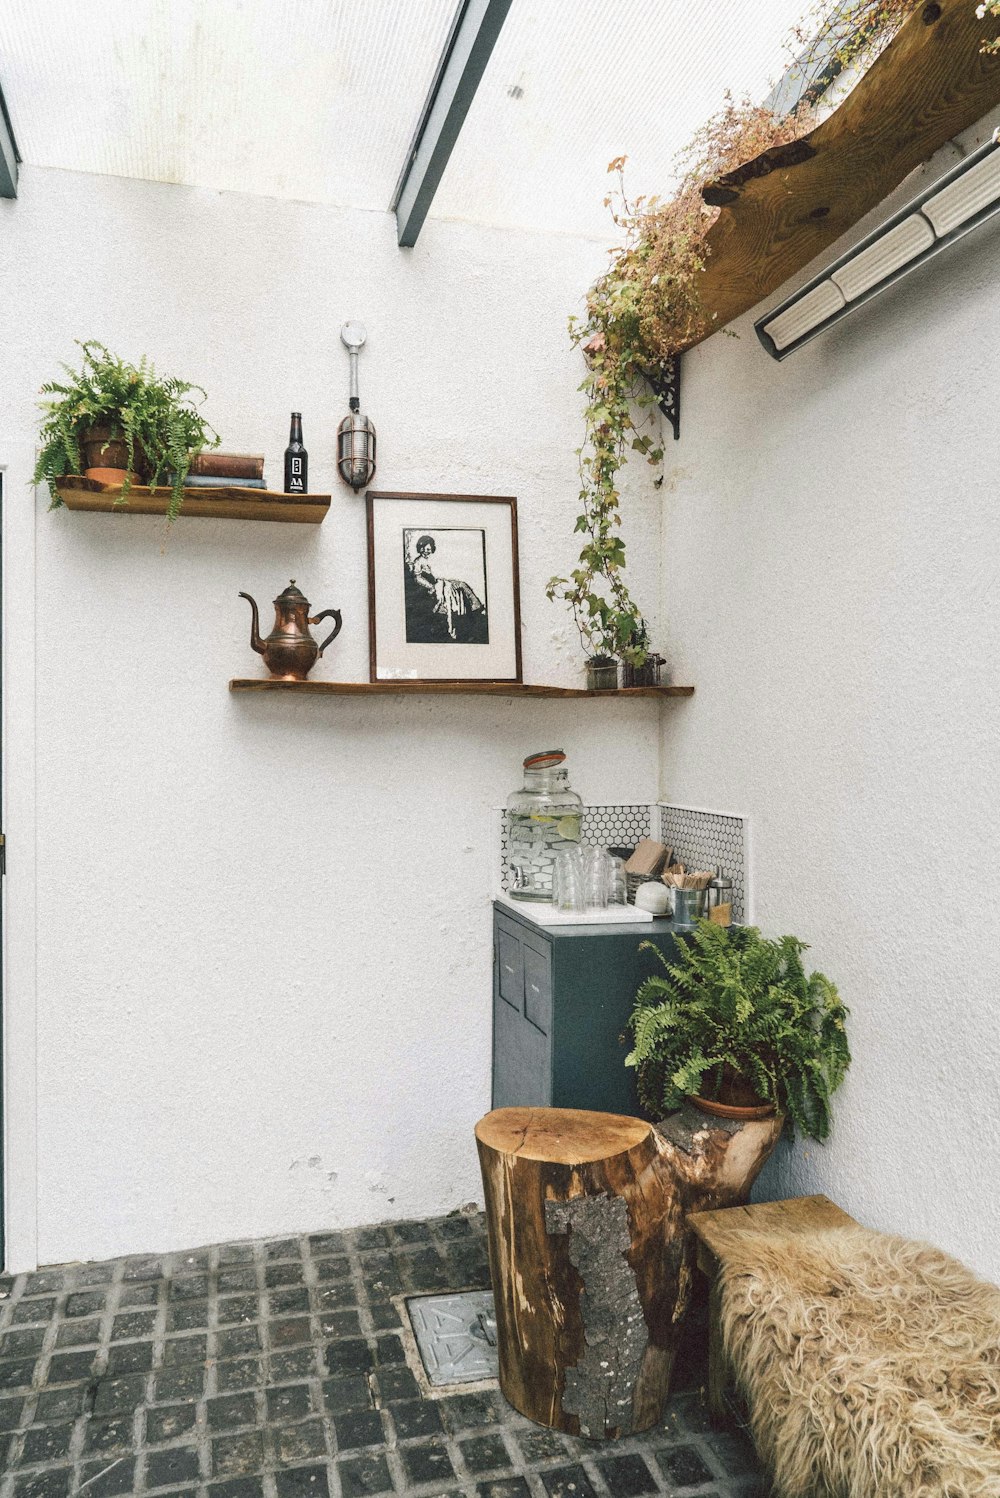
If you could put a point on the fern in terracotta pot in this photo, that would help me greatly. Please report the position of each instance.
(736, 1020)
(114, 415)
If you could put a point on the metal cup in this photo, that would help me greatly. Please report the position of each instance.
(690, 905)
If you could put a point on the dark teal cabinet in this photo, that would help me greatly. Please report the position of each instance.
(562, 996)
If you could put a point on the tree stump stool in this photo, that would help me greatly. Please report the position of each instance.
(590, 1255)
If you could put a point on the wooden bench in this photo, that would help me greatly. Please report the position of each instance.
(721, 1230)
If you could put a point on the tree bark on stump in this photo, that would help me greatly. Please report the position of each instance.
(590, 1255)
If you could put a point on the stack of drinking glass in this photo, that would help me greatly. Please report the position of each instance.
(586, 878)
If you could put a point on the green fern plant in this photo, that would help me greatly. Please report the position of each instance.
(737, 1011)
(157, 418)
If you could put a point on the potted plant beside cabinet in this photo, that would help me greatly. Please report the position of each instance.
(735, 1025)
(117, 422)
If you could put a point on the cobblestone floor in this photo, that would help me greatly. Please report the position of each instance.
(276, 1370)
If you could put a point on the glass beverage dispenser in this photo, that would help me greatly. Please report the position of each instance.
(543, 818)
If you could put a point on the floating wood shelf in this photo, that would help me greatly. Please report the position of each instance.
(229, 503)
(428, 688)
(788, 204)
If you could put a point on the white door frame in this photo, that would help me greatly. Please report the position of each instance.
(20, 1081)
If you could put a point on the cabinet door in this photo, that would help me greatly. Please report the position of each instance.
(537, 965)
(522, 1003)
(510, 971)
(521, 1073)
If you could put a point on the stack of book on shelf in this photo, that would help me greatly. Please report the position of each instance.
(211, 470)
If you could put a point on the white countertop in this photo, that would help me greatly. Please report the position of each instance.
(544, 914)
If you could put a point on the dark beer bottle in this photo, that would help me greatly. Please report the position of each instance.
(296, 459)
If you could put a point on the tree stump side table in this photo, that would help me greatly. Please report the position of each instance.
(590, 1255)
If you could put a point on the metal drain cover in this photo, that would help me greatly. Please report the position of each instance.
(456, 1335)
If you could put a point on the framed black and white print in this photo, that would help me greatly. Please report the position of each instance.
(443, 602)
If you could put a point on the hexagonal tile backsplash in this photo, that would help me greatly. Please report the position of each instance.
(709, 840)
(600, 827)
(700, 839)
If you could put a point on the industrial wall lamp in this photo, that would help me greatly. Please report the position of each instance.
(356, 433)
(959, 201)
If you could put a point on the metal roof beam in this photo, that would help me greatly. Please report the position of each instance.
(473, 34)
(9, 154)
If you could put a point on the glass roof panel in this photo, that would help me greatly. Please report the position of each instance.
(309, 99)
(318, 99)
(571, 86)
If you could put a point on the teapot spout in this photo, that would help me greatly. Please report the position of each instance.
(256, 643)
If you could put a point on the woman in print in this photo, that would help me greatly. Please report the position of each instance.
(453, 601)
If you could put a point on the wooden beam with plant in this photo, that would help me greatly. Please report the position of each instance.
(759, 195)
(779, 210)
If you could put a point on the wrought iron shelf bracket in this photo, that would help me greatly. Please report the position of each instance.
(666, 386)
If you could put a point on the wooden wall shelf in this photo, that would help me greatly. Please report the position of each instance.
(229, 503)
(429, 688)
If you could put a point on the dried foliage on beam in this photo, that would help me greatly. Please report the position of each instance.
(788, 204)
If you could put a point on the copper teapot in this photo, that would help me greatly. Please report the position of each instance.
(290, 652)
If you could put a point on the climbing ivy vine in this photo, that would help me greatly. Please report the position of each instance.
(646, 307)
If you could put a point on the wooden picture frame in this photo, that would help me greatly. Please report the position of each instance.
(443, 588)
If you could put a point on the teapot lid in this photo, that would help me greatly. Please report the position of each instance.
(291, 596)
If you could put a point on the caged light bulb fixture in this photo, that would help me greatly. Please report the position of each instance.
(356, 434)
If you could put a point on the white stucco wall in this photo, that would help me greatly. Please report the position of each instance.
(263, 924)
(831, 560)
(263, 931)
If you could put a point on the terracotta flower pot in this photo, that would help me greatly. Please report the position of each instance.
(104, 448)
(116, 476)
(743, 1112)
(738, 1098)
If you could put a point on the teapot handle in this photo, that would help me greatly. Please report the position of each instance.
(328, 614)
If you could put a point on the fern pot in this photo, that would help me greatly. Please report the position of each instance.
(105, 452)
(739, 1099)
(118, 477)
(738, 1111)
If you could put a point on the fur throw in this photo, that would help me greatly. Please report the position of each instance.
(871, 1365)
